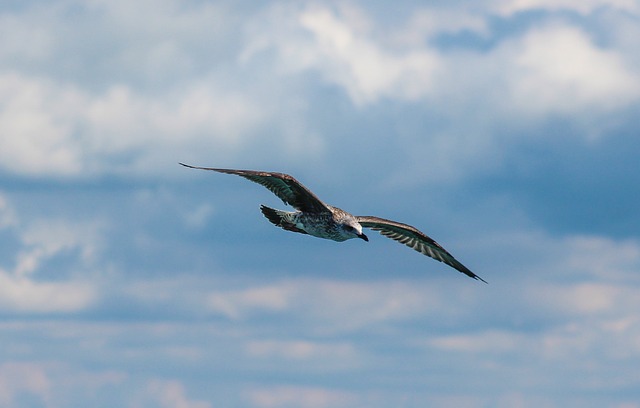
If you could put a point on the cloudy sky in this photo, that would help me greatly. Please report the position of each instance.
(505, 129)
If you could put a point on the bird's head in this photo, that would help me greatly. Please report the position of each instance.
(353, 229)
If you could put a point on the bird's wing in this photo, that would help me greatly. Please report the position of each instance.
(287, 188)
(413, 238)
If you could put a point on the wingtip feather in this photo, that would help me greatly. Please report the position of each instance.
(476, 277)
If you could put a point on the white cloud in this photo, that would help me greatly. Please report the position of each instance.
(236, 304)
(365, 69)
(540, 277)
(41, 240)
(558, 70)
(331, 305)
(340, 46)
(509, 7)
(36, 126)
(300, 350)
(45, 238)
(53, 384)
(303, 397)
(24, 295)
(168, 394)
(24, 378)
(491, 99)
(492, 341)
(159, 90)
(583, 299)
(96, 41)
(603, 341)
(56, 126)
(572, 304)
(197, 217)
(552, 69)
(604, 258)
(24, 42)
(572, 259)
(427, 23)
(56, 129)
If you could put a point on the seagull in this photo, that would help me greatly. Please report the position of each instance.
(316, 218)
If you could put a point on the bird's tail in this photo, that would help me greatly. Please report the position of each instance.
(280, 219)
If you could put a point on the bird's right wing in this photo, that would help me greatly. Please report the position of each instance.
(287, 188)
(413, 238)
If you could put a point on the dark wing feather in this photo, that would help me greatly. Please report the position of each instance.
(413, 238)
(287, 188)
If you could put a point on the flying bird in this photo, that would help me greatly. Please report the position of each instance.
(316, 218)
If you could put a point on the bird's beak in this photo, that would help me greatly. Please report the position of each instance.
(363, 237)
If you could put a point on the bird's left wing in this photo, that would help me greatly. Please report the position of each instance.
(413, 238)
(287, 188)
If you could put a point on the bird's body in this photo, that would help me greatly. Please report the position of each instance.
(314, 217)
(322, 225)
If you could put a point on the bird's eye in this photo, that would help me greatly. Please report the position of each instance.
(348, 227)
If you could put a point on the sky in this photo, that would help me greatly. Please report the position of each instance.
(507, 130)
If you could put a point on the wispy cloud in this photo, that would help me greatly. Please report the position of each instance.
(584, 7)
(24, 378)
(26, 286)
(306, 397)
(168, 394)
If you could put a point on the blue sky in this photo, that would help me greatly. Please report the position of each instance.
(507, 130)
